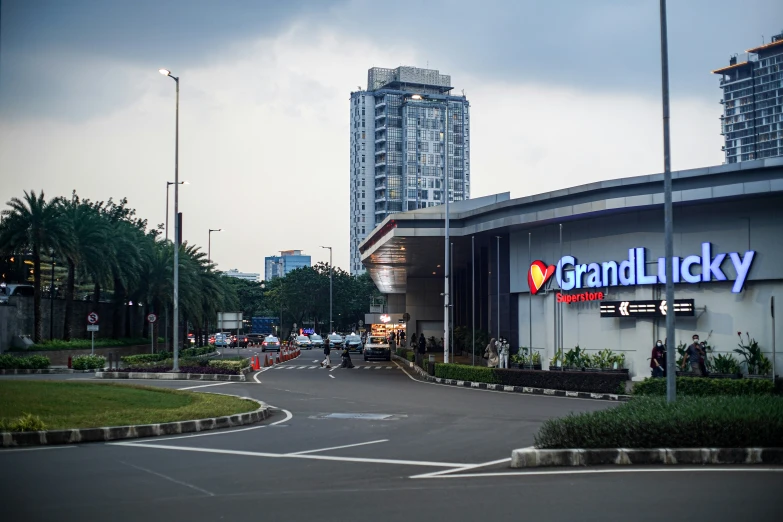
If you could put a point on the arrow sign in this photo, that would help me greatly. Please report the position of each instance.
(624, 308)
(649, 308)
(663, 307)
(92, 318)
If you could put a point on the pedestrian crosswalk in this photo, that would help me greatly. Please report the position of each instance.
(334, 367)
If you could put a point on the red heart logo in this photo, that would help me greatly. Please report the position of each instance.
(538, 275)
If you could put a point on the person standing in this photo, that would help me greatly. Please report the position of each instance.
(693, 356)
(658, 360)
(504, 351)
(346, 356)
(414, 341)
(327, 351)
(421, 349)
(422, 344)
(491, 354)
(703, 359)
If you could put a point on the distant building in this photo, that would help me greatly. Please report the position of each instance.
(288, 260)
(752, 123)
(247, 276)
(398, 154)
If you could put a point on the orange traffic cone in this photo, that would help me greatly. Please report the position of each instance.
(257, 362)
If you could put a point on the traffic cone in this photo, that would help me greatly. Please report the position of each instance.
(256, 362)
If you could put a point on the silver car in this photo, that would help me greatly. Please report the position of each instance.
(303, 342)
(316, 341)
(336, 341)
(353, 342)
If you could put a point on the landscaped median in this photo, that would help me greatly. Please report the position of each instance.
(44, 412)
(196, 365)
(721, 429)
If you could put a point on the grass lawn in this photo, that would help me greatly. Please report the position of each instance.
(62, 405)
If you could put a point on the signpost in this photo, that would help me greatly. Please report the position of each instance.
(152, 318)
(92, 327)
(651, 308)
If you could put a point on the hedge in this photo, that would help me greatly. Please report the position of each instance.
(229, 365)
(78, 344)
(690, 422)
(701, 387)
(195, 352)
(145, 358)
(33, 362)
(210, 370)
(595, 382)
(88, 362)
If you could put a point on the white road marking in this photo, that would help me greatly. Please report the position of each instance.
(457, 470)
(333, 369)
(332, 376)
(703, 469)
(312, 367)
(16, 450)
(166, 477)
(309, 457)
(503, 392)
(205, 385)
(340, 447)
(255, 377)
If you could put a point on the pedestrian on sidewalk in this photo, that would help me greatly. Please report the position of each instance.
(491, 354)
(421, 350)
(327, 350)
(504, 351)
(346, 356)
(658, 360)
(414, 341)
(693, 356)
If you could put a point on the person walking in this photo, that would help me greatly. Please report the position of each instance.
(693, 356)
(346, 356)
(327, 351)
(420, 351)
(658, 360)
(703, 359)
(504, 351)
(414, 341)
(491, 354)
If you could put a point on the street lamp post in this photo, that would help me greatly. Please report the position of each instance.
(209, 243)
(330, 287)
(175, 307)
(168, 184)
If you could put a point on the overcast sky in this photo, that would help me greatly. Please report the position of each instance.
(562, 93)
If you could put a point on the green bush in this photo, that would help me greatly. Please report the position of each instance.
(144, 358)
(32, 362)
(690, 422)
(704, 387)
(195, 352)
(76, 344)
(410, 356)
(27, 422)
(463, 372)
(88, 362)
(229, 365)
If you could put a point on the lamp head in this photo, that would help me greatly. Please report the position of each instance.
(164, 72)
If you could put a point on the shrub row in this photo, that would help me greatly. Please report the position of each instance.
(88, 362)
(27, 422)
(195, 352)
(595, 382)
(229, 365)
(145, 358)
(701, 387)
(690, 422)
(210, 370)
(33, 362)
(76, 344)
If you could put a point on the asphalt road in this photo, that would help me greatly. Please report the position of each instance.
(370, 443)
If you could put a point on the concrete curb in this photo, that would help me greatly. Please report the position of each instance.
(45, 371)
(76, 436)
(513, 389)
(174, 376)
(540, 458)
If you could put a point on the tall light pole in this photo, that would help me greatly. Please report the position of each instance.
(209, 243)
(671, 341)
(175, 307)
(168, 184)
(330, 287)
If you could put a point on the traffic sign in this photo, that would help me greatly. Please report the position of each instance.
(652, 308)
(152, 318)
(406, 317)
(92, 327)
(92, 318)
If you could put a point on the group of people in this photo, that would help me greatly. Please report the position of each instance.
(345, 356)
(497, 353)
(695, 356)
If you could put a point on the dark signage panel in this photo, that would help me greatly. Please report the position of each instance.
(652, 308)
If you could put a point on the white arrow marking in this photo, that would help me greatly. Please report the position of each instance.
(624, 308)
(663, 307)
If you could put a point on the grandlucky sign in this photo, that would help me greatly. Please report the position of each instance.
(633, 271)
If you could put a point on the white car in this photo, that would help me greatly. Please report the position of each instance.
(316, 341)
(353, 342)
(336, 341)
(303, 342)
(271, 343)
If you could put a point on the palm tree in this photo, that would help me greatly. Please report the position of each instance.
(33, 225)
(88, 234)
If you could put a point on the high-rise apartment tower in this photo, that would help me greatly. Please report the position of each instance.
(399, 128)
(752, 121)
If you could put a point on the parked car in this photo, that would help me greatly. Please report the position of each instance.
(15, 291)
(377, 347)
(303, 342)
(222, 340)
(316, 341)
(353, 342)
(336, 341)
(271, 343)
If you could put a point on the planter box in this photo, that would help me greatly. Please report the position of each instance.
(755, 376)
(527, 366)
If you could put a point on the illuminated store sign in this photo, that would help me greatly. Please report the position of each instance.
(632, 271)
(654, 308)
(578, 298)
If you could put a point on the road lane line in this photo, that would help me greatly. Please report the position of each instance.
(340, 447)
(170, 479)
(704, 469)
(205, 385)
(472, 466)
(255, 377)
(332, 376)
(17, 450)
(423, 463)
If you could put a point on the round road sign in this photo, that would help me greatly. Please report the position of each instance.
(92, 318)
(152, 318)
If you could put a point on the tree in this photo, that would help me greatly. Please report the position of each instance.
(34, 225)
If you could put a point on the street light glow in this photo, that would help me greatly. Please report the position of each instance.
(164, 72)
(416, 97)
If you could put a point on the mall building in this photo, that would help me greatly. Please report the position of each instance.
(585, 265)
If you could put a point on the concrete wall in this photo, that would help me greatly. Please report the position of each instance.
(720, 313)
(16, 318)
(425, 304)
